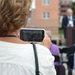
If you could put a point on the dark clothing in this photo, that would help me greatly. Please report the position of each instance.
(70, 56)
(60, 70)
(65, 22)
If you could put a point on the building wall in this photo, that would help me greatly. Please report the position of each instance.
(64, 5)
(38, 21)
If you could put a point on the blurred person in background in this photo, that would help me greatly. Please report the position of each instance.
(54, 49)
(68, 20)
(17, 56)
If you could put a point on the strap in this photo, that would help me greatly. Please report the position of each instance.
(36, 60)
(8, 36)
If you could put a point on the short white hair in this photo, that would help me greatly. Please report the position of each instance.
(69, 10)
(48, 32)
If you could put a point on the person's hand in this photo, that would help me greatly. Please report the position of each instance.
(46, 42)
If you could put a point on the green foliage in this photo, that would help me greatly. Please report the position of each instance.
(60, 31)
(73, 7)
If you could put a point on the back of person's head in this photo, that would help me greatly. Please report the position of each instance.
(49, 34)
(13, 15)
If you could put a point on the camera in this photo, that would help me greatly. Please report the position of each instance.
(32, 34)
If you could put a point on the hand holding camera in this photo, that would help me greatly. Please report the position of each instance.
(35, 35)
(46, 42)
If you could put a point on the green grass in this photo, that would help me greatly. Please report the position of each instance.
(60, 31)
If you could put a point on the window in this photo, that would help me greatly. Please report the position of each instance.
(46, 2)
(63, 10)
(62, 6)
(46, 15)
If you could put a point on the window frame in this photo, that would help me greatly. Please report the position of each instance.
(46, 2)
(46, 15)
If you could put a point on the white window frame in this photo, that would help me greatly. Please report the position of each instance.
(46, 2)
(46, 15)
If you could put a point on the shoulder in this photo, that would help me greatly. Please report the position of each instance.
(44, 54)
(54, 48)
(43, 50)
(54, 45)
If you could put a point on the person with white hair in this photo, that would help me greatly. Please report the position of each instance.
(68, 20)
(54, 49)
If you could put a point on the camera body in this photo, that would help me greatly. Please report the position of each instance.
(32, 34)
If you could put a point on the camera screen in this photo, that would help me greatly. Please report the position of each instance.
(32, 35)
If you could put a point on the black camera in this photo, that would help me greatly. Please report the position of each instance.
(32, 35)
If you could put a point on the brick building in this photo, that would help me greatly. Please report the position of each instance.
(45, 15)
(64, 4)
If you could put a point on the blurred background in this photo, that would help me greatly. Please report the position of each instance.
(48, 14)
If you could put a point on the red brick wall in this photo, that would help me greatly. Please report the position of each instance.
(50, 24)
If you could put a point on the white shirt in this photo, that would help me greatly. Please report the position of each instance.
(18, 59)
(70, 23)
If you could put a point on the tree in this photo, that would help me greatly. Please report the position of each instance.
(73, 8)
